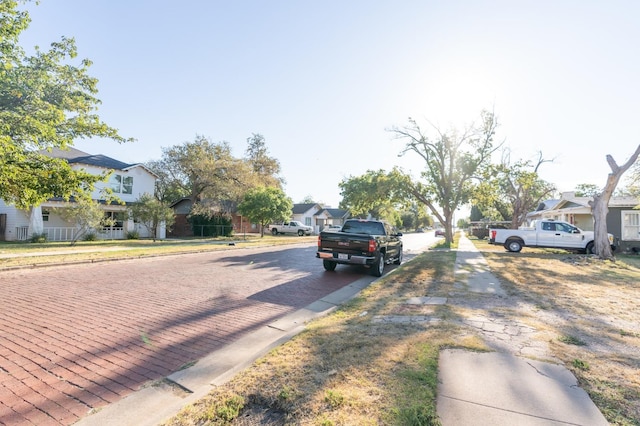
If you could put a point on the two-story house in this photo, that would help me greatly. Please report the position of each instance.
(127, 181)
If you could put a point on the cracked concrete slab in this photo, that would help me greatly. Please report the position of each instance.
(502, 389)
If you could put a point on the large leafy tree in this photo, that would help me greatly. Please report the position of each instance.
(376, 193)
(266, 169)
(415, 216)
(207, 172)
(202, 170)
(586, 190)
(265, 205)
(453, 161)
(46, 101)
(509, 191)
(167, 189)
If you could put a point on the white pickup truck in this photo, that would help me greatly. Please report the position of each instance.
(291, 227)
(546, 233)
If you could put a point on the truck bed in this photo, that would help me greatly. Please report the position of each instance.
(346, 246)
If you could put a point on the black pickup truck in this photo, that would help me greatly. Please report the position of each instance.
(371, 243)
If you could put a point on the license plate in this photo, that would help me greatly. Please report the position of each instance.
(343, 256)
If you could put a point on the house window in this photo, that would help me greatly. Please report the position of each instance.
(45, 215)
(118, 218)
(307, 221)
(631, 225)
(121, 184)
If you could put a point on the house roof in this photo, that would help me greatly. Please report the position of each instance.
(575, 202)
(303, 208)
(580, 205)
(624, 202)
(335, 213)
(180, 201)
(75, 156)
(547, 204)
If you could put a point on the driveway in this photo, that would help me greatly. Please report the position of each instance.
(76, 338)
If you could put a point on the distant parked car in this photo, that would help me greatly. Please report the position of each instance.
(333, 228)
(420, 230)
(439, 232)
(293, 227)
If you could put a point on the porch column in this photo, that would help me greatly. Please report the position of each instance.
(129, 226)
(161, 232)
(36, 225)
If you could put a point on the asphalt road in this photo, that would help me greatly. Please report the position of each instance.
(79, 337)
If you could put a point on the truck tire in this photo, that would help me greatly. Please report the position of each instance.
(329, 265)
(377, 268)
(274, 232)
(300, 233)
(513, 245)
(590, 249)
(399, 258)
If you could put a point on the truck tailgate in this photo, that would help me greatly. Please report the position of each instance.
(344, 242)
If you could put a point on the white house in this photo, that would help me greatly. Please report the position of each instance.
(317, 216)
(305, 213)
(127, 181)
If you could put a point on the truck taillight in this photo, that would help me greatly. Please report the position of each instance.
(319, 241)
(493, 234)
(372, 246)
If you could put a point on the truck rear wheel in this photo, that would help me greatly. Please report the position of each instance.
(591, 248)
(329, 265)
(274, 231)
(300, 233)
(514, 245)
(377, 268)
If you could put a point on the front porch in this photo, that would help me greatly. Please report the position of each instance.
(68, 233)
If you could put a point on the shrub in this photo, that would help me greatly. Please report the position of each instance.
(90, 237)
(38, 238)
(133, 235)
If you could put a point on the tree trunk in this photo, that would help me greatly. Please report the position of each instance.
(599, 210)
(448, 225)
(600, 205)
(448, 230)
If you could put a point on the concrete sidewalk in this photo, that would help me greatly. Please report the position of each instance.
(499, 388)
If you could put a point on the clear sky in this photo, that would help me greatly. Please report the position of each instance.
(323, 81)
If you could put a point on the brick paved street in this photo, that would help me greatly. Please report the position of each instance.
(76, 338)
